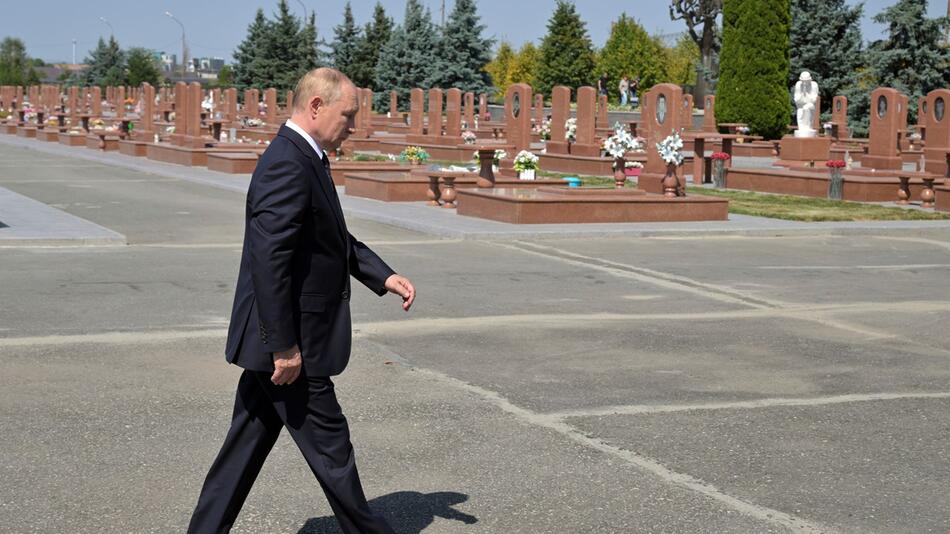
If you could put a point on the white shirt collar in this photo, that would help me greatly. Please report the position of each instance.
(313, 144)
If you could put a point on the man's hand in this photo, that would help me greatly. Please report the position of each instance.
(401, 286)
(286, 366)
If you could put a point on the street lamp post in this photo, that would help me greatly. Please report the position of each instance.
(111, 29)
(184, 45)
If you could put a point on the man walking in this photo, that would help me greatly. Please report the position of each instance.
(290, 324)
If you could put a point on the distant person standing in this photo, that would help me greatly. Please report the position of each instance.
(602, 84)
(624, 87)
(634, 87)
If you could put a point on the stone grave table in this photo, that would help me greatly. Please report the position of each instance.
(733, 127)
(699, 150)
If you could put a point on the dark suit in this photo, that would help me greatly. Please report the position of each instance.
(292, 289)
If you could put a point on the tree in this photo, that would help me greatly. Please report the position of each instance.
(405, 63)
(106, 64)
(632, 52)
(700, 17)
(498, 68)
(249, 63)
(345, 43)
(753, 72)
(683, 60)
(142, 67)
(825, 40)
(14, 62)
(524, 66)
(463, 52)
(225, 76)
(567, 55)
(912, 58)
(374, 36)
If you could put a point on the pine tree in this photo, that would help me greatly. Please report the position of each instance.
(567, 55)
(683, 59)
(106, 64)
(286, 50)
(248, 58)
(405, 63)
(346, 40)
(912, 58)
(142, 67)
(825, 40)
(632, 52)
(498, 68)
(753, 72)
(524, 65)
(463, 52)
(374, 36)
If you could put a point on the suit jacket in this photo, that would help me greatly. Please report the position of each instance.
(293, 286)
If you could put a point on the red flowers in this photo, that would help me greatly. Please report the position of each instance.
(720, 156)
(835, 164)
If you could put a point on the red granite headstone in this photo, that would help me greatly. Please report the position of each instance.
(453, 113)
(147, 129)
(538, 108)
(839, 115)
(602, 112)
(230, 107)
(393, 104)
(888, 118)
(585, 143)
(95, 97)
(119, 95)
(665, 104)
(560, 111)
(468, 111)
(938, 131)
(483, 111)
(193, 124)
(434, 126)
(709, 114)
(518, 116)
(416, 111)
(270, 104)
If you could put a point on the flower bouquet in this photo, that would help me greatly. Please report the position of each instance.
(469, 137)
(632, 168)
(544, 129)
(719, 160)
(836, 184)
(526, 164)
(414, 155)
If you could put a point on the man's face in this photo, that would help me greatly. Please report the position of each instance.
(335, 122)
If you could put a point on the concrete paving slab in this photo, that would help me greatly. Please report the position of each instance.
(857, 467)
(828, 270)
(127, 421)
(28, 222)
(655, 362)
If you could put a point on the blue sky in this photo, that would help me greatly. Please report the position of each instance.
(215, 27)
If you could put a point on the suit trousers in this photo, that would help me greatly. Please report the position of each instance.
(309, 410)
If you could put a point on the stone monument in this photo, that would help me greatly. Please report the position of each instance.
(888, 118)
(518, 117)
(806, 100)
(938, 131)
(560, 111)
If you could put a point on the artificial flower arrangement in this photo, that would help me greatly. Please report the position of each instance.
(469, 137)
(499, 155)
(526, 164)
(836, 184)
(543, 129)
(570, 129)
(254, 122)
(97, 123)
(669, 149)
(414, 155)
(621, 142)
(719, 168)
(744, 130)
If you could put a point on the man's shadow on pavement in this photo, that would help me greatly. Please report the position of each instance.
(408, 512)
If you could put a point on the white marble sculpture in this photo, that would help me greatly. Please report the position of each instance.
(806, 96)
